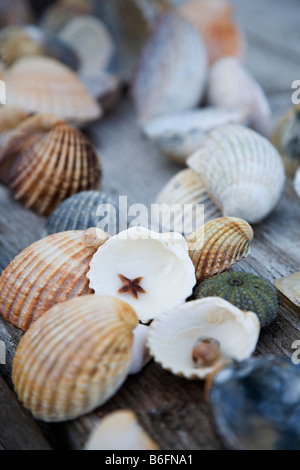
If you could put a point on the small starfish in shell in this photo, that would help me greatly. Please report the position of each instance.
(131, 287)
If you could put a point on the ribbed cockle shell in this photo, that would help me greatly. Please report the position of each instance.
(75, 357)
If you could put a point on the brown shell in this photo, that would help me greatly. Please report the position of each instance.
(43, 85)
(219, 244)
(75, 357)
(46, 273)
(10, 118)
(49, 161)
(214, 20)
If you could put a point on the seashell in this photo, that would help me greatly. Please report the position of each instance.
(119, 430)
(104, 87)
(75, 357)
(49, 161)
(297, 182)
(149, 270)
(56, 16)
(246, 291)
(140, 351)
(231, 86)
(255, 404)
(186, 188)
(242, 171)
(15, 13)
(82, 211)
(174, 336)
(219, 244)
(92, 42)
(50, 271)
(215, 21)
(286, 139)
(10, 118)
(179, 135)
(43, 85)
(290, 287)
(171, 73)
(20, 41)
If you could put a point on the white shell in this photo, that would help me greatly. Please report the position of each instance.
(297, 182)
(173, 336)
(290, 287)
(243, 172)
(140, 352)
(179, 135)
(162, 260)
(231, 86)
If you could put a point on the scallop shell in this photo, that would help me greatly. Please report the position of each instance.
(297, 182)
(43, 85)
(21, 41)
(56, 16)
(119, 430)
(179, 135)
(290, 287)
(171, 73)
(286, 139)
(46, 273)
(186, 188)
(10, 118)
(231, 86)
(215, 22)
(82, 211)
(75, 357)
(219, 244)
(174, 334)
(242, 171)
(50, 161)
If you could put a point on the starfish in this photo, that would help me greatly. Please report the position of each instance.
(131, 286)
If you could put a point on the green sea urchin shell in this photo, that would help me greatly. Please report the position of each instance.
(246, 291)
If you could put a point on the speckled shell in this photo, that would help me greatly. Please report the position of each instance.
(171, 73)
(46, 273)
(21, 41)
(246, 291)
(290, 287)
(231, 86)
(173, 335)
(243, 172)
(43, 85)
(297, 182)
(57, 15)
(50, 161)
(10, 118)
(75, 357)
(179, 135)
(79, 212)
(219, 244)
(214, 20)
(286, 139)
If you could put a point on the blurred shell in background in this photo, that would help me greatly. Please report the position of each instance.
(231, 86)
(286, 139)
(10, 118)
(75, 357)
(297, 182)
(21, 41)
(15, 13)
(43, 85)
(243, 172)
(82, 211)
(179, 135)
(104, 87)
(290, 287)
(215, 21)
(120, 430)
(171, 73)
(50, 271)
(61, 12)
(47, 161)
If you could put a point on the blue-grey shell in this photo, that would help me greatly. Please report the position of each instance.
(84, 210)
(256, 404)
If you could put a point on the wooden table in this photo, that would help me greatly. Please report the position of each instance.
(171, 409)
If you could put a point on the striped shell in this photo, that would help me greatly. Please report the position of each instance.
(82, 211)
(75, 357)
(50, 161)
(297, 182)
(290, 287)
(219, 244)
(173, 336)
(46, 273)
(242, 171)
(231, 86)
(187, 188)
(214, 20)
(179, 135)
(10, 118)
(286, 139)
(171, 73)
(43, 85)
